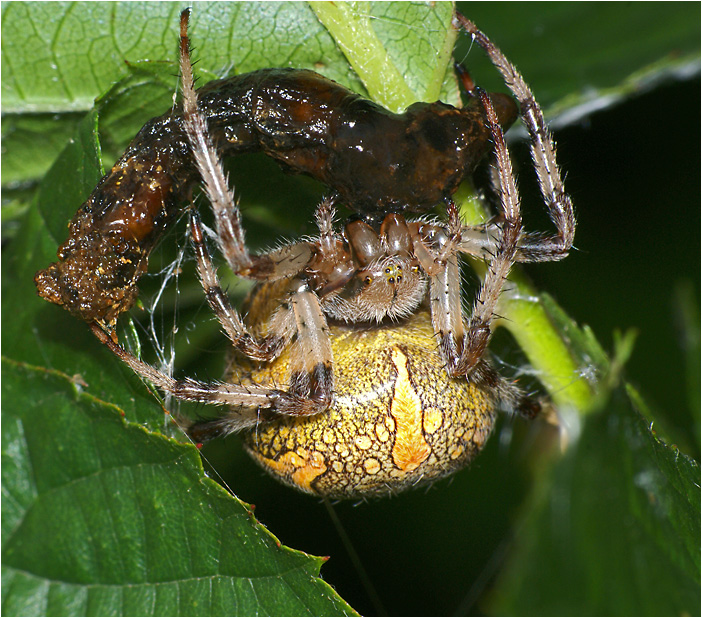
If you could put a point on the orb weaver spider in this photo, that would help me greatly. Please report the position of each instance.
(357, 372)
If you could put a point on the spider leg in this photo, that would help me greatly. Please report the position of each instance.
(286, 262)
(324, 217)
(259, 348)
(311, 383)
(246, 401)
(440, 262)
(483, 313)
(464, 348)
(311, 377)
(534, 247)
(511, 396)
(483, 241)
(227, 216)
(298, 316)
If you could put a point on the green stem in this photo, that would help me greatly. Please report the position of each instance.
(526, 318)
(350, 26)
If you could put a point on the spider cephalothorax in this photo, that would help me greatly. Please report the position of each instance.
(356, 371)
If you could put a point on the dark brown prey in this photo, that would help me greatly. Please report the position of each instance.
(374, 160)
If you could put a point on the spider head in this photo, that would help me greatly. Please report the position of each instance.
(389, 287)
(388, 281)
(392, 286)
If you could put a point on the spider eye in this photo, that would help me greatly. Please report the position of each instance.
(368, 280)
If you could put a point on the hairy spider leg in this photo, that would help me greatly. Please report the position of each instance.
(482, 316)
(534, 247)
(462, 347)
(436, 248)
(311, 380)
(502, 243)
(264, 348)
(300, 315)
(447, 313)
(249, 405)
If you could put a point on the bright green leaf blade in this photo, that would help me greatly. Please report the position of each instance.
(76, 52)
(613, 528)
(59, 57)
(228, 38)
(398, 67)
(103, 517)
(573, 54)
(563, 48)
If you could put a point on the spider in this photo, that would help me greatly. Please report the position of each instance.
(348, 314)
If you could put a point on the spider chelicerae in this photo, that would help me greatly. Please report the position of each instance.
(373, 309)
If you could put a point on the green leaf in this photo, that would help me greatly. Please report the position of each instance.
(577, 57)
(618, 511)
(613, 528)
(101, 512)
(581, 58)
(397, 69)
(61, 57)
(102, 516)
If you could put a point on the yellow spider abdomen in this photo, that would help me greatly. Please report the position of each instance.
(397, 420)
